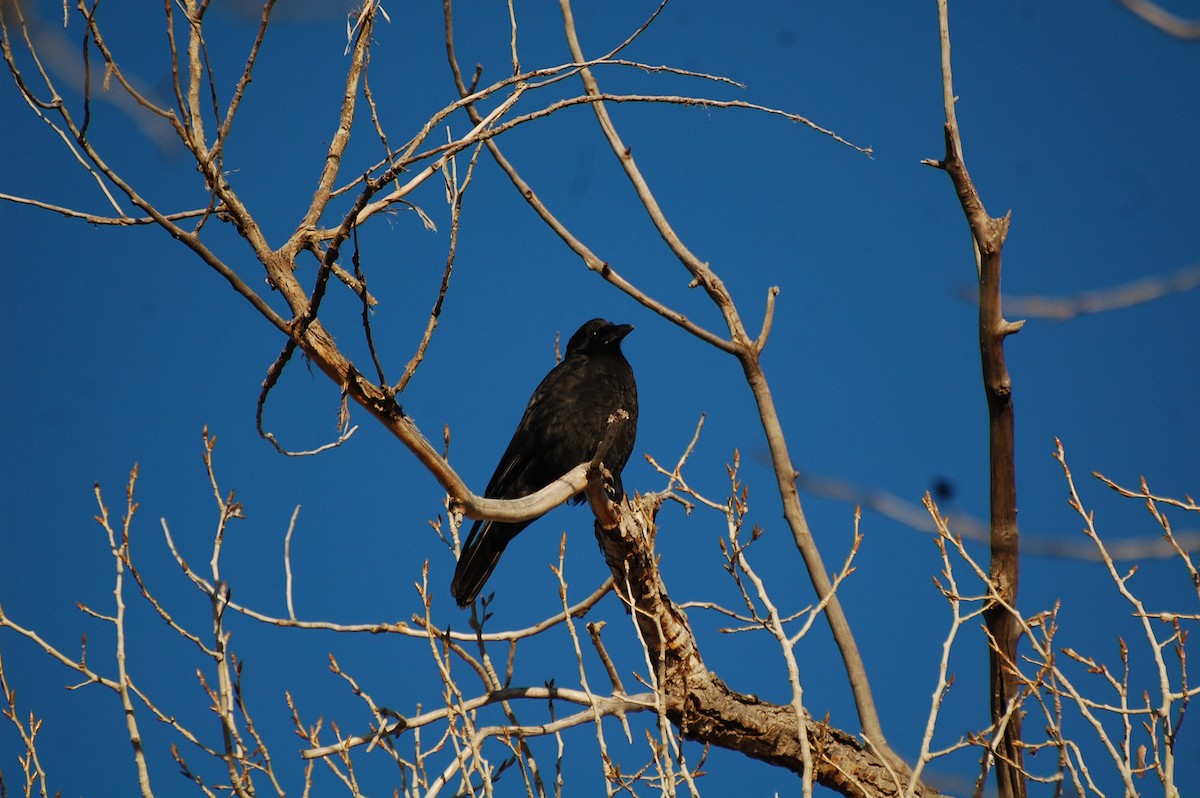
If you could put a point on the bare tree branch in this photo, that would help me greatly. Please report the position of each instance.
(1122, 296)
(987, 235)
(971, 528)
(1164, 20)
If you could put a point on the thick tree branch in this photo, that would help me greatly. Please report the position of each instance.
(697, 701)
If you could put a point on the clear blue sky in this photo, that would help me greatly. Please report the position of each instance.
(123, 346)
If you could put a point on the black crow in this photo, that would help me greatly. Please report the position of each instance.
(564, 421)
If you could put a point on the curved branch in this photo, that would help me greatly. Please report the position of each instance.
(1164, 20)
(418, 629)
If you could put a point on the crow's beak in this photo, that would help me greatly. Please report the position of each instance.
(618, 332)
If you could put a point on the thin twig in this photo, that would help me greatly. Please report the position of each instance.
(287, 563)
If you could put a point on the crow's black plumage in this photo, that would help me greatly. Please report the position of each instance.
(565, 419)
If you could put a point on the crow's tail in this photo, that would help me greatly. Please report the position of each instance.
(479, 557)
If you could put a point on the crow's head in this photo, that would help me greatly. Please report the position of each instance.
(596, 337)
